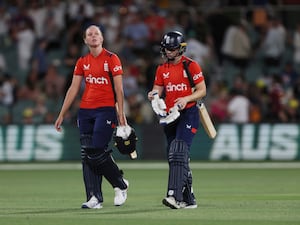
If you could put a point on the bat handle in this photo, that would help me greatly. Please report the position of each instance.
(200, 102)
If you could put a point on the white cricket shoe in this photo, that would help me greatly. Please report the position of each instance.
(93, 203)
(120, 195)
(185, 205)
(171, 202)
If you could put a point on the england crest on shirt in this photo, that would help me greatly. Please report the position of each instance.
(184, 74)
(105, 67)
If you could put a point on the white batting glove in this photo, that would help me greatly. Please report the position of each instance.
(172, 116)
(158, 105)
(123, 131)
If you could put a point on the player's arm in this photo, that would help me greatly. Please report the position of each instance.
(156, 88)
(118, 84)
(199, 90)
(69, 98)
(198, 93)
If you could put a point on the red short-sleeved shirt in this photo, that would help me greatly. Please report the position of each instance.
(175, 80)
(98, 90)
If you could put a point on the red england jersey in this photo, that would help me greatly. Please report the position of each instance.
(175, 80)
(98, 90)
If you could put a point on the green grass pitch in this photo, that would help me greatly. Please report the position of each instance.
(226, 196)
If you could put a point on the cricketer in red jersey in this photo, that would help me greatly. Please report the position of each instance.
(95, 71)
(99, 114)
(171, 81)
(175, 81)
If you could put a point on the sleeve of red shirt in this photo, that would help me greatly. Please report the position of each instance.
(196, 72)
(115, 65)
(78, 70)
(158, 79)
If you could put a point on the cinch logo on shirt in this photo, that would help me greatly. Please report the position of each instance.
(117, 68)
(197, 76)
(96, 80)
(176, 87)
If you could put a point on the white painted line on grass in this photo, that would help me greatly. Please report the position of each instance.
(154, 165)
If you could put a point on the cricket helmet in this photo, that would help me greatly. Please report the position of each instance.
(171, 41)
(126, 146)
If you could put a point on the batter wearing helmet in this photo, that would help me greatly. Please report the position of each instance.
(97, 117)
(179, 116)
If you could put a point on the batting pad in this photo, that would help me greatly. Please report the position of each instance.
(92, 182)
(178, 168)
(188, 193)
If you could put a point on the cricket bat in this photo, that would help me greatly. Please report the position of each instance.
(206, 121)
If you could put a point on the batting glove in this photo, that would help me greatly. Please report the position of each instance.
(172, 116)
(158, 105)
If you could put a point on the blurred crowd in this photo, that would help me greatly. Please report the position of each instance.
(249, 53)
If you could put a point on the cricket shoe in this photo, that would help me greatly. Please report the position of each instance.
(93, 203)
(171, 202)
(120, 195)
(185, 205)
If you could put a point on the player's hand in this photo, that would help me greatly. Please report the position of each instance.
(181, 103)
(150, 95)
(122, 119)
(158, 105)
(58, 123)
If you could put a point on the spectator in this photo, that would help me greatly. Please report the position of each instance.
(39, 110)
(296, 46)
(292, 109)
(138, 110)
(52, 31)
(273, 46)
(111, 24)
(69, 60)
(236, 46)
(31, 89)
(25, 45)
(37, 13)
(289, 75)
(137, 30)
(256, 98)
(2, 63)
(7, 87)
(4, 20)
(276, 95)
(198, 51)
(80, 10)
(22, 24)
(238, 107)
(53, 77)
(218, 107)
(39, 58)
(156, 24)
